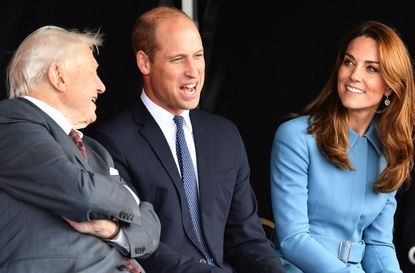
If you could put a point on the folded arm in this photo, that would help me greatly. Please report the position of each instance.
(37, 170)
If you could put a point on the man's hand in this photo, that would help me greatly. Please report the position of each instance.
(104, 229)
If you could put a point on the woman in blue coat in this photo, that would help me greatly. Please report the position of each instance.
(336, 167)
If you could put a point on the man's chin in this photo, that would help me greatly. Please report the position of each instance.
(80, 126)
(84, 123)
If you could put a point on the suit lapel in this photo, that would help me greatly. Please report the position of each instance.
(205, 160)
(67, 144)
(150, 130)
(59, 135)
(98, 159)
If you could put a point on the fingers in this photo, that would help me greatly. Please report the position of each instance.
(104, 229)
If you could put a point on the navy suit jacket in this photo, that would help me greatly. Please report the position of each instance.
(43, 178)
(404, 236)
(228, 206)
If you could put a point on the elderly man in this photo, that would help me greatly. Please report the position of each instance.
(64, 208)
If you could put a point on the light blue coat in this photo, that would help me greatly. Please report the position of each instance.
(316, 205)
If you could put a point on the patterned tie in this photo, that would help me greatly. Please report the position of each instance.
(190, 184)
(74, 135)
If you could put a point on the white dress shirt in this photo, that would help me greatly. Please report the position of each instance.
(167, 125)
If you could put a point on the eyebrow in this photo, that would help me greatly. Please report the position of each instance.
(366, 61)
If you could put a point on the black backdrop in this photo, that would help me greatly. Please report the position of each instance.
(264, 58)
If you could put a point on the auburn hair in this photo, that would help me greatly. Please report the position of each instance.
(394, 124)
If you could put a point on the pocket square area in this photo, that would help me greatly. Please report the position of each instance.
(113, 171)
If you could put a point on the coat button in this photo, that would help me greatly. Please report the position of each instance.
(122, 267)
(202, 261)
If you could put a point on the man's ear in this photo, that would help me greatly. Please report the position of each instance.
(56, 76)
(143, 62)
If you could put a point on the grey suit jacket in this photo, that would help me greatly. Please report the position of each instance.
(43, 178)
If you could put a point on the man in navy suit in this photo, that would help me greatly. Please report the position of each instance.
(142, 141)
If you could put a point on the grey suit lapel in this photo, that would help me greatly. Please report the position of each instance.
(59, 135)
(67, 144)
(98, 159)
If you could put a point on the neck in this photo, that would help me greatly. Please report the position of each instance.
(359, 122)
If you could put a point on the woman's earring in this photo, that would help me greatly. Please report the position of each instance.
(387, 101)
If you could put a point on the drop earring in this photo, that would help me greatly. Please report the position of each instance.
(387, 101)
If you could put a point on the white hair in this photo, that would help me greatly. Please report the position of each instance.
(44, 46)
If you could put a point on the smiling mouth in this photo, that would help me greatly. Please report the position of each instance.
(189, 88)
(354, 90)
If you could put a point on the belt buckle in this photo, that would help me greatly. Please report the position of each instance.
(349, 249)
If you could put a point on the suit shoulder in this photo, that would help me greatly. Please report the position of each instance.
(212, 118)
(17, 110)
(217, 125)
(116, 123)
(121, 128)
(13, 107)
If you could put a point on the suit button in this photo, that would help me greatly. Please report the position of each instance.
(140, 250)
(202, 261)
(122, 267)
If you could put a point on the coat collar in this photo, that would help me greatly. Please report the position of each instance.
(371, 135)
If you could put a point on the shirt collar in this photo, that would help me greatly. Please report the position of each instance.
(163, 116)
(371, 135)
(53, 113)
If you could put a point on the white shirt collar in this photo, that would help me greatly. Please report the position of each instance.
(167, 125)
(57, 116)
(163, 117)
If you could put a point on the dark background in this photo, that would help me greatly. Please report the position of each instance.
(264, 59)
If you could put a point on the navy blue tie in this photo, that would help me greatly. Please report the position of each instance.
(190, 184)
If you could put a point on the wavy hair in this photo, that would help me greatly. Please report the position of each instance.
(394, 124)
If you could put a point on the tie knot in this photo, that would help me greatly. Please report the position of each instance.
(76, 138)
(74, 135)
(179, 121)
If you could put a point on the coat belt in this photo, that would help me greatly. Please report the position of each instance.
(345, 250)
